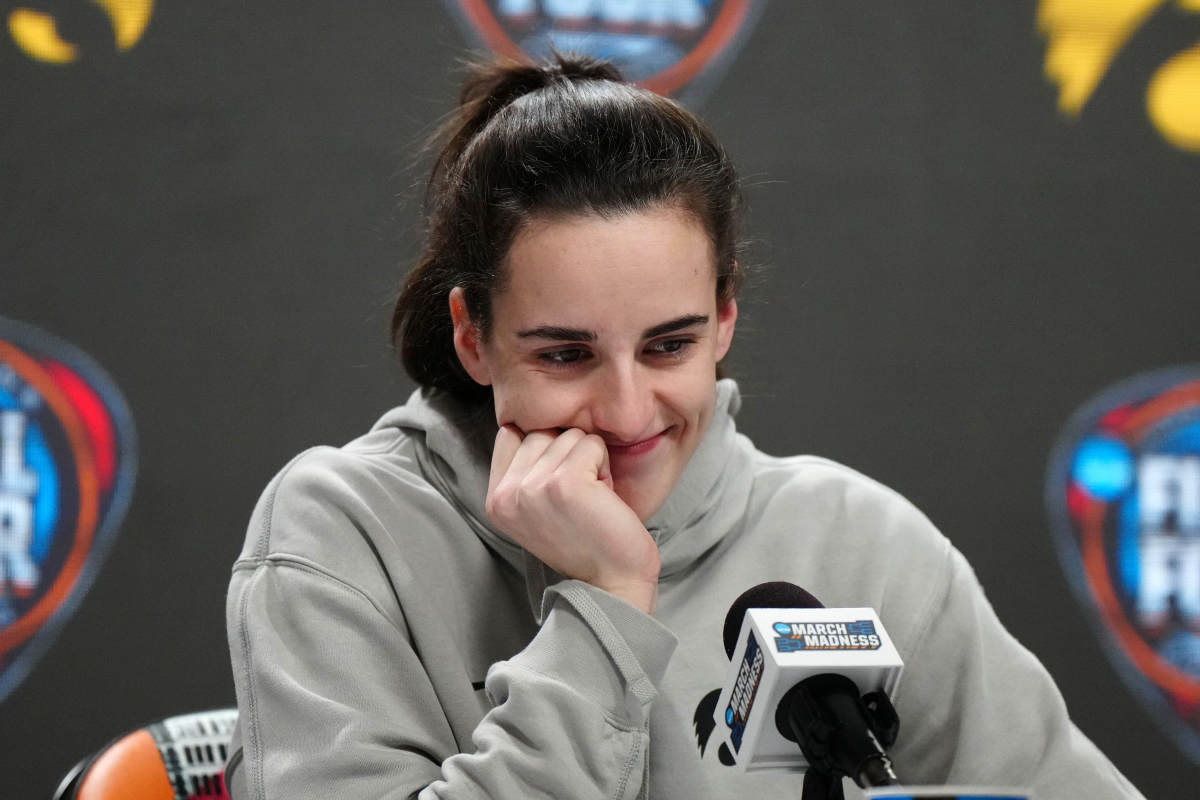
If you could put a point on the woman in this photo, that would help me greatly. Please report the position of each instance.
(514, 585)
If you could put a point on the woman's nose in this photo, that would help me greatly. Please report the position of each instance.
(622, 404)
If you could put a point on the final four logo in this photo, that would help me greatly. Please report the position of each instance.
(669, 46)
(67, 466)
(1123, 492)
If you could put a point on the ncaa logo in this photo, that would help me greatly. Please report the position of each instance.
(668, 46)
(67, 465)
(1123, 493)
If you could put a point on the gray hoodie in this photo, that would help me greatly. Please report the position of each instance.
(387, 642)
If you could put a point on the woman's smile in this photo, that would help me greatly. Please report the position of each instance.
(634, 449)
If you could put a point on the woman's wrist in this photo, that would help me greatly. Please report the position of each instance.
(640, 595)
(640, 591)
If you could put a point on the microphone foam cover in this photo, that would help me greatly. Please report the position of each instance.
(773, 594)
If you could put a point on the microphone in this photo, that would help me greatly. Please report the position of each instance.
(804, 674)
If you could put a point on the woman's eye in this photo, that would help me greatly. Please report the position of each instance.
(670, 347)
(559, 358)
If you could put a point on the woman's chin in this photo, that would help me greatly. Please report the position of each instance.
(645, 504)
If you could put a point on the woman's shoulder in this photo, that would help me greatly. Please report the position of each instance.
(326, 492)
(350, 472)
(849, 507)
(809, 475)
(850, 539)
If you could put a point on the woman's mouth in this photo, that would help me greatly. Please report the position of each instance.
(633, 449)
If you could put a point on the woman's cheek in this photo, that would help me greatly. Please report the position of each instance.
(536, 405)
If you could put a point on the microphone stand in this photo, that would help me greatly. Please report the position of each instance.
(839, 733)
(821, 785)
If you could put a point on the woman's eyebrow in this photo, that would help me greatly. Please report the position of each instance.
(558, 334)
(677, 324)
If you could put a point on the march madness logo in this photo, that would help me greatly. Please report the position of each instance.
(745, 690)
(792, 637)
(668, 46)
(67, 465)
(1123, 492)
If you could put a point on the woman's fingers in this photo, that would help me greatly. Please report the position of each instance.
(508, 442)
(523, 464)
(570, 455)
(603, 471)
(533, 445)
(552, 457)
(589, 453)
(516, 453)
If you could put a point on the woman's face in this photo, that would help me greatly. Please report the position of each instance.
(611, 326)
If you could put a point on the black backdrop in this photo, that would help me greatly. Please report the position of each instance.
(947, 268)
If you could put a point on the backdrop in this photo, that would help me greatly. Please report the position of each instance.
(966, 220)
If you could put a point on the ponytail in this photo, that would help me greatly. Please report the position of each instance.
(490, 87)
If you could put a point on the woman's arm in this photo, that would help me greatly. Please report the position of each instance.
(981, 709)
(338, 699)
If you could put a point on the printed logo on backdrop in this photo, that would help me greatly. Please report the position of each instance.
(38, 32)
(674, 47)
(1123, 493)
(67, 467)
(1085, 38)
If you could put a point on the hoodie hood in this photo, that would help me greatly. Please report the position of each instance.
(707, 503)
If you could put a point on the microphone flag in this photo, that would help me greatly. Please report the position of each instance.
(779, 647)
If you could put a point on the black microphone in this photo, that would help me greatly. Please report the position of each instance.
(772, 594)
(819, 654)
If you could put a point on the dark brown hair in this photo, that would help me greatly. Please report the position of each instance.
(568, 136)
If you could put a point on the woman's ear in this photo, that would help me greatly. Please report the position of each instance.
(726, 319)
(467, 341)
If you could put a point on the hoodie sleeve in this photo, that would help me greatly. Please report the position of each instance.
(978, 708)
(571, 711)
(336, 700)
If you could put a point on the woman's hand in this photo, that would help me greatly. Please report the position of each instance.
(553, 494)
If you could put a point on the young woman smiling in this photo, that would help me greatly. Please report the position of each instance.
(514, 585)
(601, 355)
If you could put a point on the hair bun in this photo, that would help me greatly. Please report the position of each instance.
(499, 83)
(581, 67)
